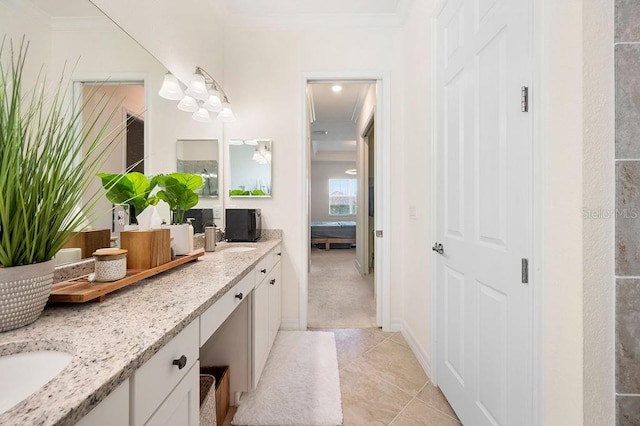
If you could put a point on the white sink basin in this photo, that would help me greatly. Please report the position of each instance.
(24, 373)
(237, 249)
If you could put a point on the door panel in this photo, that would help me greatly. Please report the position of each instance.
(454, 324)
(483, 210)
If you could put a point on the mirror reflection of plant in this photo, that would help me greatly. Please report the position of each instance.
(132, 188)
(47, 160)
(242, 192)
(179, 190)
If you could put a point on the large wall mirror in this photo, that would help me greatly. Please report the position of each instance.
(250, 167)
(200, 156)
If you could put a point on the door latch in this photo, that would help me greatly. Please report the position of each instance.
(379, 233)
(438, 248)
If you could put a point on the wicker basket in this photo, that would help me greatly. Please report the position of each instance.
(207, 400)
(24, 291)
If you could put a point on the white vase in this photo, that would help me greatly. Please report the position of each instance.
(182, 236)
(24, 291)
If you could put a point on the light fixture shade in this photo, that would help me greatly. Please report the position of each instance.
(197, 88)
(226, 114)
(213, 103)
(171, 88)
(202, 116)
(188, 104)
(236, 142)
(251, 142)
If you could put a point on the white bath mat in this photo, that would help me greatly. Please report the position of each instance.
(300, 384)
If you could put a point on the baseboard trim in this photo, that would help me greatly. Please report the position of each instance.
(290, 324)
(423, 358)
(396, 326)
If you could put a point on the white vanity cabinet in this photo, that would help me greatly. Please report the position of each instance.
(266, 311)
(165, 389)
(113, 410)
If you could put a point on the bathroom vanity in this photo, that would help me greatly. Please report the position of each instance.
(136, 356)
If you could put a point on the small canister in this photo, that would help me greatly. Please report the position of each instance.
(111, 264)
(209, 238)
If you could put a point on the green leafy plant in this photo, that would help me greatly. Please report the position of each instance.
(179, 191)
(46, 161)
(132, 188)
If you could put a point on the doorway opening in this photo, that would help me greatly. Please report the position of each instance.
(341, 161)
(127, 126)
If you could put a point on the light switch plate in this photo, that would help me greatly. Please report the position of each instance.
(217, 213)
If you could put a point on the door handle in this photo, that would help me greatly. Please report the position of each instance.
(438, 248)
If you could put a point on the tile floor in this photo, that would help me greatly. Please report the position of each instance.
(382, 382)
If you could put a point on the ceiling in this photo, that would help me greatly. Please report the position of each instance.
(333, 118)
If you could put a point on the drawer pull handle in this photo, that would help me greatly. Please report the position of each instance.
(180, 362)
(239, 296)
(272, 281)
(264, 271)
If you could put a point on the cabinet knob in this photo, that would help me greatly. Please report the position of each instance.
(239, 296)
(272, 281)
(279, 254)
(264, 271)
(180, 362)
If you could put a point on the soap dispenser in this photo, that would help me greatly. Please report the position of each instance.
(191, 233)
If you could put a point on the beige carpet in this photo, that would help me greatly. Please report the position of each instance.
(339, 297)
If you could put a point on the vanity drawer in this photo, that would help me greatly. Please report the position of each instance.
(276, 254)
(157, 377)
(217, 313)
(263, 268)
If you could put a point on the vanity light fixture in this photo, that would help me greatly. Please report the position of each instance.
(202, 96)
(262, 154)
(351, 172)
(336, 88)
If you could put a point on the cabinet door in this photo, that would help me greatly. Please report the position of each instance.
(113, 410)
(275, 290)
(182, 406)
(260, 329)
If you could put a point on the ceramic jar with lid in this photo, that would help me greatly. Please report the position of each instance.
(110, 264)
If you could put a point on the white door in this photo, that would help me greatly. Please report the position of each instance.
(483, 211)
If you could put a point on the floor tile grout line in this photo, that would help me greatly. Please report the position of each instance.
(402, 410)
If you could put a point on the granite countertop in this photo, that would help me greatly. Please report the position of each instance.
(110, 340)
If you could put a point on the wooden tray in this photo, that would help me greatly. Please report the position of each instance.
(80, 290)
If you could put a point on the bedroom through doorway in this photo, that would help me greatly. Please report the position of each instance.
(341, 284)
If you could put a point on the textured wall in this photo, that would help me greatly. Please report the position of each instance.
(627, 234)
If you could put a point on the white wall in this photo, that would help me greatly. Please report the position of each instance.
(15, 17)
(562, 240)
(417, 235)
(598, 234)
(264, 72)
(321, 172)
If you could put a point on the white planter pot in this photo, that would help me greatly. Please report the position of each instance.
(24, 290)
(182, 242)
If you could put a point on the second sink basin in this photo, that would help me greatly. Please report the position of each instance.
(23, 373)
(236, 249)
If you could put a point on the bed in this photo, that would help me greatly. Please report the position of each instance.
(328, 233)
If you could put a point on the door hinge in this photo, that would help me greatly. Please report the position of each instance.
(525, 271)
(524, 99)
